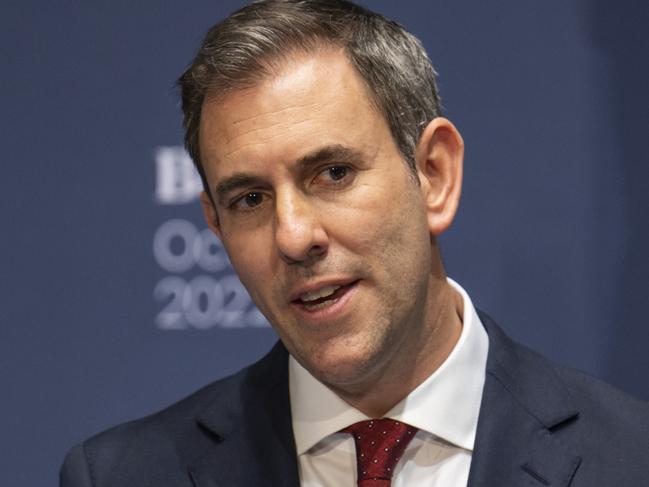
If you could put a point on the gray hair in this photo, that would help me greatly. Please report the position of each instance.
(240, 51)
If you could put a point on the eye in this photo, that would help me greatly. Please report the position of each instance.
(248, 200)
(337, 176)
(338, 172)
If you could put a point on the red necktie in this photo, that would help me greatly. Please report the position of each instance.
(380, 443)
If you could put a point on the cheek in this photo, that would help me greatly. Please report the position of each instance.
(392, 236)
(381, 216)
(250, 260)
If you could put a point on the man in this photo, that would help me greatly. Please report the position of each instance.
(329, 174)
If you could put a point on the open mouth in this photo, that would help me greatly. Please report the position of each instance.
(323, 297)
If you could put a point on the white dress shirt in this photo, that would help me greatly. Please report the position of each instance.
(444, 407)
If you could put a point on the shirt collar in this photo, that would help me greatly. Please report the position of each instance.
(446, 404)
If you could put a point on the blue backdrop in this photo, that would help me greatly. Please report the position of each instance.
(116, 302)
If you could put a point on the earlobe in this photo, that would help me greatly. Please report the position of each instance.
(210, 214)
(439, 157)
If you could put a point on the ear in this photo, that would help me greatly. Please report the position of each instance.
(439, 157)
(210, 214)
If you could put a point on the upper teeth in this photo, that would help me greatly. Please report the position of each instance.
(323, 292)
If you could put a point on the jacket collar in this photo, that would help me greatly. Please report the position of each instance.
(524, 402)
(251, 426)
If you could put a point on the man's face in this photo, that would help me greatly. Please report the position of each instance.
(320, 217)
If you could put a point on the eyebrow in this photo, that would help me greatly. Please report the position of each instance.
(329, 153)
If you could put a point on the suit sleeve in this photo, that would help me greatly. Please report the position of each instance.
(75, 471)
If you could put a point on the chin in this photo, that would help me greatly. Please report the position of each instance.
(340, 369)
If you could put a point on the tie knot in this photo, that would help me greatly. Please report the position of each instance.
(380, 443)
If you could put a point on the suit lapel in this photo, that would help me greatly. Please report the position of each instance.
(523, 404)
(252, 432)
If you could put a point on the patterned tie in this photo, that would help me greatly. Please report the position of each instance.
(379, 445)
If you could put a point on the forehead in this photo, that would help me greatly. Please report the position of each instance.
(309, 100)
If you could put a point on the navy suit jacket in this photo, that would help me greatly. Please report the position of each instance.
(540, 425)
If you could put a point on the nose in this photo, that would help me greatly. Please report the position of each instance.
(299, 234)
